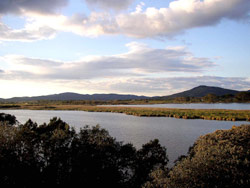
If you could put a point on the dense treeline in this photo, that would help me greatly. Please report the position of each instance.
(55, 154)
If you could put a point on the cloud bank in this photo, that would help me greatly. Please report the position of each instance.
(140, 60)
(180, 16)
(141, 70)
(143, 22)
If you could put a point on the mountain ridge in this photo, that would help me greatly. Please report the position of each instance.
(199, 91)
(76, 96)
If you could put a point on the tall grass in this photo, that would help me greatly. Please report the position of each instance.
(207, 114)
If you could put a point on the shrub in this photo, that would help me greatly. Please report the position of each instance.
(217, 160)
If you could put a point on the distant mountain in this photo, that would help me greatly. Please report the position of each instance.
(76, 96)
(199, 91)
(202, 91)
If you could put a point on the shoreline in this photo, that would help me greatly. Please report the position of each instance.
(206, 114)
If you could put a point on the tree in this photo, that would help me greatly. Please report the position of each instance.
(150, 157)
(217, 160)
(243, 96)
(210, 98)
(7, 119)
(54, 154)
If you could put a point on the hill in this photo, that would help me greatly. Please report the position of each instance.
(199, 91)
(76, 96)
(202, 91)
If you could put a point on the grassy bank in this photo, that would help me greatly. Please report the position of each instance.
(208, 114)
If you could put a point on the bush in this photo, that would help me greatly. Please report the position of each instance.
(7, 119)
(217, 160)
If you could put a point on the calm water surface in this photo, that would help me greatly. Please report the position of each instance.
(231, 106)
(175, 134)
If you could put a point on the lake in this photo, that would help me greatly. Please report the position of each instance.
(177, 135)
(230, 106)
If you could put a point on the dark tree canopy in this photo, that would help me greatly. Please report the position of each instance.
(55, 154)
(7, 119)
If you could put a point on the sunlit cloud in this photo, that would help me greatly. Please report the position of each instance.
(27, 34)
(140, 60)
(141, 70)
(180, 16)
(146, 22)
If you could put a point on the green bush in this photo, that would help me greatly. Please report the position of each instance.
(217, 160)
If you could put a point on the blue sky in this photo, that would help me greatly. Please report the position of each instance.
(130, 47)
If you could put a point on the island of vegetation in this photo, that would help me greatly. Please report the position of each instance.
(54, 154)
(207, 114)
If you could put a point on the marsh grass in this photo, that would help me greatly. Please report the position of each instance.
(207, 114)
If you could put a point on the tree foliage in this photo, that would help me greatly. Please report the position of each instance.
(7, 119)
(217, 160)
(55, 154)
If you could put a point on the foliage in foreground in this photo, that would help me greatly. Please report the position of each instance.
(217, 160)
(7, 119)
(54, 154)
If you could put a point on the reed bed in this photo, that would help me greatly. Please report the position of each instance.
(206, 114)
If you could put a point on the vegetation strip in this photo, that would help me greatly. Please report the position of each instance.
(207, 114)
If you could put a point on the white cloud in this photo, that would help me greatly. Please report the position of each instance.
(179, 16)
(140, 60)
(142, 70)
(109, 4)
(131, 72)
(26, 34)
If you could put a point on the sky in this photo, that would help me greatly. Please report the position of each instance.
(146, 47)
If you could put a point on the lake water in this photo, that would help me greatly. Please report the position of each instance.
(231, 106)
(177, 135)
